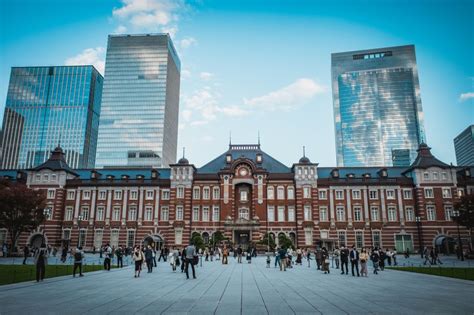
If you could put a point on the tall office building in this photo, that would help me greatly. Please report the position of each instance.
(140, 102)
(377, 105)
(464, 147)
(47, 106)
(401, 157)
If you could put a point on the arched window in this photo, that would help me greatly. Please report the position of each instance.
(280, 193)
(270, 192)
(244, 213)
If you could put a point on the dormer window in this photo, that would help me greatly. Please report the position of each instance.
(350, 175)
(435, 176)
(228, 158)
(383, 173)
(140, 177)
(259, 158)
(335, 173)
(467, 172)
(110, 177)
(154, 174)
(426, 176)
(124, 177)
(366, 175)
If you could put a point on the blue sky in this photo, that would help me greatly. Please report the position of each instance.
(250, 66)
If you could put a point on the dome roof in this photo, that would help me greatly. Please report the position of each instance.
(304, 160)
(183, 160)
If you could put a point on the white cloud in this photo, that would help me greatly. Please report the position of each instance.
(172, 30)
(120, 29)
(185, 74)
(187, 42)
(89, 56)
(207, 138)
(233, 111)
(466, 96)
(206, 76)
(288, 97)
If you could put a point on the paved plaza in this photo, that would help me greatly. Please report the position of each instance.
(240, 289)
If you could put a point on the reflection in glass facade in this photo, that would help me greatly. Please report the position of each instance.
(140, 102)
(50, 105)
(464, 147)
(377, 105)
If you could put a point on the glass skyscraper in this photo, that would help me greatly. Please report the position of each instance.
(464, 147)
(50, 105)
(377, 105)
(140, 102)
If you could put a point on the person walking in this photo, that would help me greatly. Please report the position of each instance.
(282, 254)
(78, 257)
(354, 255)
(394, 256)
(26, 253)
(225, 255)
(299, 256)
(388, 254)
(190, 254)
(108, 257)
(319, 256)
(154, 257)
(364, 257)
(308, 257)
(277, 257)
(375, 260)
(381, 259)
(174, 258)
(183, 259)
(149, 258)
(162, 255)
(64, 254)
(239, 255)
(325, 260)
(138, 258)
(344, 260)
(336, 255)
(41, 260)
(119, 254)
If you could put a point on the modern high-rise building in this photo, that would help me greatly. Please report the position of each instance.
(47, 106)
(140, 102)
(401, 157)
(377, 105)
(464, 147)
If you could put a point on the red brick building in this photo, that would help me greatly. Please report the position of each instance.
(245, 193)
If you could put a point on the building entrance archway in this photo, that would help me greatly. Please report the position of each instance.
(445, 244)
(155, 241)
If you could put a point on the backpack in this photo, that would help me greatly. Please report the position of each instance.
(78, 256)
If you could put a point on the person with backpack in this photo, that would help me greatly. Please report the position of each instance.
(78, 256)
(108, 257)
(41, 260)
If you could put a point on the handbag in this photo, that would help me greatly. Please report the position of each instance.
(195, 260)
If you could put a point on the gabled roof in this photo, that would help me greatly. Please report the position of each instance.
(244, 151)
(56, 162)
(425, 159)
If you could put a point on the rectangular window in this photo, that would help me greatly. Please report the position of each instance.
(306, 192)
(180, 192)
(448, 213)
(308, 237)
(270, 192)
(281, 214)
(374, 212)
(86, 195)
(339, 194)
(429, 193)
(215, 193)
(46, 178)
(68, 216)
(215, 214)
(178, 236)
(179, 213)
(323, 194)
(150, 194)
(205, 214)
(206, 193)
(341, 216)
(341, 236)
(359, 239)
(102, 195)
(84, 213)
(132, 213)
(53, 177)
(291, 214)
(51, 193)
(392, 213)
(243, 195)
(148, 213)
(280, 193)
(98, 237)
(195, 214)
(376, 240)
(426, 176)
(409, 214)
(114, 238)
(435, 176)
(165, 194)
(271, 213)
(291, 193)
(82, 238)
(71, 195)
(133, 195)
(307, 213)
(165, 214)
(357, 213)
(196, 193)
(116, 214)
(444, 176)
(66, 234)
(407, 194)
(117, 195)
(356, 194)
(447, 193)
(430, 213)
(373, 195)
(323, 214)
(390, 194)
(130, 238)
(100, 213)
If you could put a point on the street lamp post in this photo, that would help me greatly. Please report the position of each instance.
(79, 219)
(455, 216)
(46, 213)
(420, 241)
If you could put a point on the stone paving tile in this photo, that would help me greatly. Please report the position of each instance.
(240, 289)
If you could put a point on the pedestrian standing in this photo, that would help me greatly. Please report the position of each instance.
(299, 254)
(344, 260)
(364, 257)
(239, 255)
(190, 259)
(388, 254)
(26, 253)
(64, 254)
(277, 257)
(282, 254)
(225, 254)
(149, 258)
(78, 257)
(381, 259)
(138, 259)
(375, 260)
(319, 256)
(108, 257)
(394, 256)
(325, 260)
(336, 255)
(174, 258)
(119, 254)
(154, 257)
(354, 255)
(41, 260)
(308, 257)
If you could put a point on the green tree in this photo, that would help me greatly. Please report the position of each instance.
(197, 241)
(269, 241)
(465, 207)
(284, 241)
(21, 209)
(217, 238)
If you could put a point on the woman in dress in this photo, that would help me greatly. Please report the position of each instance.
(364, 257)
(299, 255)
(138, 258)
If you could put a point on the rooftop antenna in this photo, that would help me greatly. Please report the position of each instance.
(230, 138)
(304, 151)
(259, 138)
(184, 150)
(59, 141)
